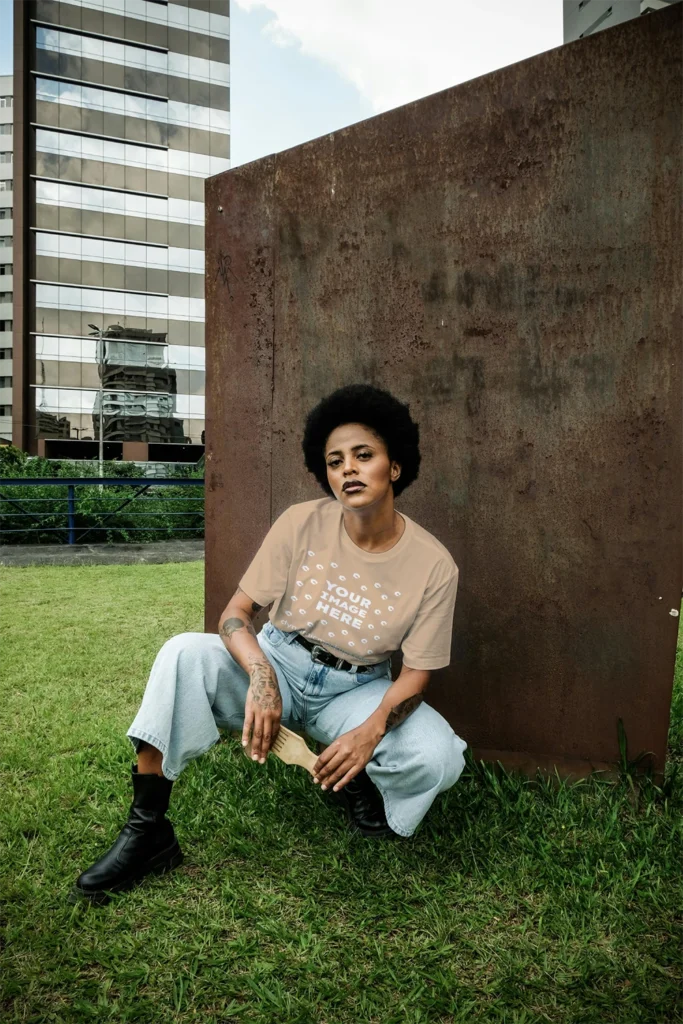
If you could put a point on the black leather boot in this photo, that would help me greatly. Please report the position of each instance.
(364, 807)
(146, 844)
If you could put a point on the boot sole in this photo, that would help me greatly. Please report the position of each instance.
(164, 862)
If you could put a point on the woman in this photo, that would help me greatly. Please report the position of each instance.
(350, 580)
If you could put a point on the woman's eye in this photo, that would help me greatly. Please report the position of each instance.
(337, 462)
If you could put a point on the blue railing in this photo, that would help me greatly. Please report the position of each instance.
(72, 516)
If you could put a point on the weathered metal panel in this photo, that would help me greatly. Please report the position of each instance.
(239, 376)
(506, 256)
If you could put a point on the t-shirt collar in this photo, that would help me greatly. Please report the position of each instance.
(375, 556)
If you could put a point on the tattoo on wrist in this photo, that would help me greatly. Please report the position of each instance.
(264, 687)
(230, 626)
(402, 710)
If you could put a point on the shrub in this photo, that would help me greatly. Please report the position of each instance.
(38, 514)
(11, 460)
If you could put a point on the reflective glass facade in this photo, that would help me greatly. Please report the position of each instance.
(581, 18)
(6, 255)
(107, 250)
(85, 47)
(120, 203)
(127, 113)
(133, 390)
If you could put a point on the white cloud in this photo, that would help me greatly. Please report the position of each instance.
(395, 51)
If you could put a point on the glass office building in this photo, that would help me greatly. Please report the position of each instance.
(123, 111)
(583, 18)
(6, 256)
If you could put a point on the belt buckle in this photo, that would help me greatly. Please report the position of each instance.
(316, 651)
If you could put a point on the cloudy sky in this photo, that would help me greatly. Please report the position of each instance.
(302, 68)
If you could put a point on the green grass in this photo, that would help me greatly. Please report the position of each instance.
(517, 901)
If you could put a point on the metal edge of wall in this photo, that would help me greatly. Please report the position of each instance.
(239, 347)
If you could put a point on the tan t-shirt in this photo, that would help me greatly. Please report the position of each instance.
(358, 605)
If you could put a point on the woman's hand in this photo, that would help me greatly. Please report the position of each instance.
(263, 708)
(345, 757)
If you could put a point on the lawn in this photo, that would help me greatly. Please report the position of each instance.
(517, 902)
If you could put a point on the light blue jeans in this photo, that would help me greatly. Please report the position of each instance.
(196, 685)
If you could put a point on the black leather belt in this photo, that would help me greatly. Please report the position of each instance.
(319, 653)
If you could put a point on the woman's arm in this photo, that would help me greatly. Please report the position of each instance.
(263, 708)
(349, 753)
(400, 700)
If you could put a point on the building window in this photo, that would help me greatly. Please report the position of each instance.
(193, 115)
(6, 213)
(131, 204)
(138, 304)
(6, 268)
(130, 254)
(5, 158)
(6, 101)
(5, 325)
(5, 382)
(6, 186)
(167, 63)
(153, 158)
(5, 353)
(91, 98)
(6, 240)
(126, 415)
(5, 410)
(6, 129)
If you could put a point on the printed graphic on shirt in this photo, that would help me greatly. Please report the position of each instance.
(358, 605)
(352, 611)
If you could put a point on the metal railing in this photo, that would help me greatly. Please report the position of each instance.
(72, 521)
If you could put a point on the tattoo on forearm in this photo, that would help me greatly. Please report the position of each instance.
(254, 607)
(264, 687)
(402, 710)
(230, 626)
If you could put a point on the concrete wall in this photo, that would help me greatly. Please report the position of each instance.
(506, 256)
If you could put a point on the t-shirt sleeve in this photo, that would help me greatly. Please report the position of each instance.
(266, 578)
(427, 644)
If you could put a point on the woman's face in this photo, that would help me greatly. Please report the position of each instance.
(359, 470)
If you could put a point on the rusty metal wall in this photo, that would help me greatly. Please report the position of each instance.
(506, 256)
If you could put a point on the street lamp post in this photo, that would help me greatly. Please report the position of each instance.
(100, 346)
(97, 331)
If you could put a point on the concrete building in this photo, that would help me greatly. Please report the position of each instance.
(6, 232)
(121, 111)
(584, 17)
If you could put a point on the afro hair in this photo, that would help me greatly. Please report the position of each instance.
(377, 410)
